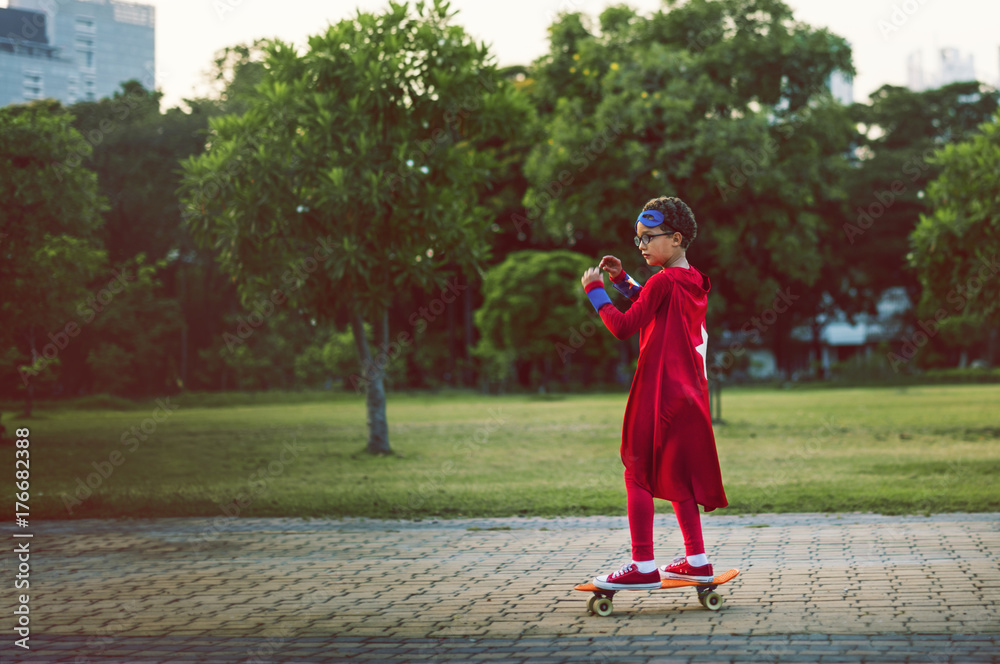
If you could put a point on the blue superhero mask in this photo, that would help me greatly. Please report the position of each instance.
(650, 218)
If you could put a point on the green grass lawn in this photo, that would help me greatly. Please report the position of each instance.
(888, 450)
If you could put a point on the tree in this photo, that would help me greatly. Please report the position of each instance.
(721, 102)
(236, 73)
(956, 247)
(136, 152)
(899, 131)
(354, 173)
(535, 314)
(41, 155)
(133, 342)
(49, 218)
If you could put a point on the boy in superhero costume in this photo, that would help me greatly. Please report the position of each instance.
(668, 446)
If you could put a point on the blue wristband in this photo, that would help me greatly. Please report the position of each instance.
(598, 298)
(628, 287)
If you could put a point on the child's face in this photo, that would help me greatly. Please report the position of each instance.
(664, 247)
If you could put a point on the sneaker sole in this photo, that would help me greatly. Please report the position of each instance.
(682, 577)
(603, 585)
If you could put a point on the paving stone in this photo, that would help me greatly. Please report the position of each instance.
(852, 587)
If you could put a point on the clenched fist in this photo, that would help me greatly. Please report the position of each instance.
(591, 275)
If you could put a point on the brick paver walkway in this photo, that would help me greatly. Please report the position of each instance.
(815, 588)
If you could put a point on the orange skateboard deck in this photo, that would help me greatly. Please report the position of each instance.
(601, 602)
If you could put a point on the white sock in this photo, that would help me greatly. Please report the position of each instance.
(698, 560)
(645, 566)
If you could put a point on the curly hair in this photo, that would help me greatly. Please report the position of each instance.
(676, 215)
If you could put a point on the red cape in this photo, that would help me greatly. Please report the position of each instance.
(667, 438)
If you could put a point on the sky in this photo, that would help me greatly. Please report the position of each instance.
(882, 32)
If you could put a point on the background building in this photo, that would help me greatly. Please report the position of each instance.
(955, 68)
(915, 71)
(952, 67)
(74, 50)
(841, 86)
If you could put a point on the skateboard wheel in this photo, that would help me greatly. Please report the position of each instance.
(603, 606)
(590, 604)
(712, 601)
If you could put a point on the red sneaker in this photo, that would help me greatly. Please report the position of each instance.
(629, 578)
(681, 569)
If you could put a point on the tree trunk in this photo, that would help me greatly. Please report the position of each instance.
(780, 351)
(622, 374)
(469, 378)
(29, 394)
(523, 369)
(992, 343)
(817, 344)
(184, 325)
(715, 399)
(373, 374)
(453, 378)
(588, 371)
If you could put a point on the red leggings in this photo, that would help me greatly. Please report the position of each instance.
(640, 521)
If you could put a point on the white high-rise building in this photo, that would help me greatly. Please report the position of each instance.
(915, 71)
(955, 68)
(74, 50)
(841, 86)
(952, 67)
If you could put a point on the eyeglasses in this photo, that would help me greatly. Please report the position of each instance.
(644, 239)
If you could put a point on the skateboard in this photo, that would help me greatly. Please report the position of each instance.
(601, 602)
